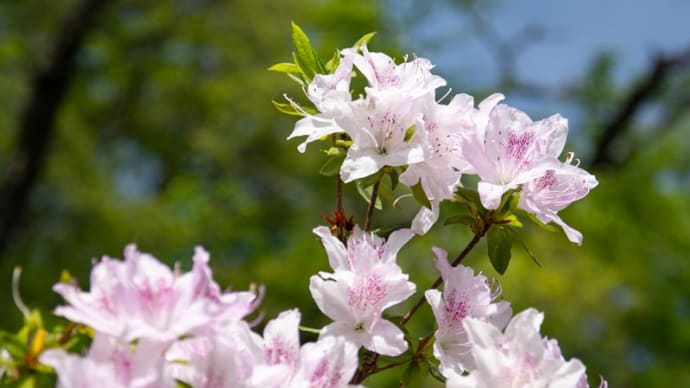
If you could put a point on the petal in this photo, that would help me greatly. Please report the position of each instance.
(386, 339)
(529, 320)
(434, 298)
(281, 339)
(442, 263)
(329, 362)
(336, 251)
(329, 291)
(551, 135)
(573, 235)
(490, 194)
(426, 218)
(359, 164)
(395, 242)
(314, 127)
(481, 334)
(500, 314)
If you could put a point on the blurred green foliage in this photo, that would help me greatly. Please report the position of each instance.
(168, 139)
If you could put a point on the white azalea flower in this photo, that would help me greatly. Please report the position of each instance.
(366, 281)
(465, 295)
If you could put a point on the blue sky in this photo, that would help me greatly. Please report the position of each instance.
(577, 31)
(634, 30)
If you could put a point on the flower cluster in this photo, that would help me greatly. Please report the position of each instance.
(398, 123)
(518, 357)
(475, 353)
(154, 326)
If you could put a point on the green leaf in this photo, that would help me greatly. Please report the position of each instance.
(14, 345)
(35, 380)
(394, 174)
(434, 372)
(513, 221)
(285, 68)
(542, 225)
(400, 198)
(464, 194)
(333, 63)
(364, 40)
(499, 244)
(28, 382)
(332, 166)
(297, 79)
(386, 192)
(305, 57)
(528, 251)
(464, 219)
(371, 179)
(506, 202)
(419, 194)
(462, 216)
(412, 377)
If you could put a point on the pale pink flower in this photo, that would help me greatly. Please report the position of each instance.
(364, 250)
(328, 363)
(224, 359)
(366, 281)
(559, 186)
(520, 357)
(445, 129)
(413, 78)
(383, 124)
(512, 150)
(237, 357)
(330, 93)
(281, 351)
(465, 295)
(142, 298)
(111, 363)
(382, 128)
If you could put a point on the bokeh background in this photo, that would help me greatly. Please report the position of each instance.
(151, 122)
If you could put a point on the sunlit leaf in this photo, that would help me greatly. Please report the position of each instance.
(332, 166)
(285, 68)
(364, 40)
(419, 194)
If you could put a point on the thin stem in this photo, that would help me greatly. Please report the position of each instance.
(393, 365)
(339, 194)
(423, 343)
(368, 367)
(372, 205)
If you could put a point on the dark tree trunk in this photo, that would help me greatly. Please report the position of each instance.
(36, 126)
